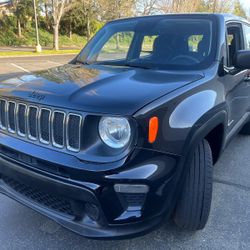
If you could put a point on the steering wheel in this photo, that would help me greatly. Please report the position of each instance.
(190, 59)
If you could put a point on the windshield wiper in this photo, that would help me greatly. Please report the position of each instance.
(83, 62)
(132, 65)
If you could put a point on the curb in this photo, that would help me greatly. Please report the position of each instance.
(14, 56)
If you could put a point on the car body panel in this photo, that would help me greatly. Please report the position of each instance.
(90, 88)
(189, 106)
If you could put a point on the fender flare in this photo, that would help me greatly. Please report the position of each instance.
(200, 130)
(195, 136)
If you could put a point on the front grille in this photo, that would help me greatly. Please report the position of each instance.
(73, 132)
(21, 119)
(44, 125)
(11, 117)
(44, 199)
(3, 114)
(32, 122)
(58, 129)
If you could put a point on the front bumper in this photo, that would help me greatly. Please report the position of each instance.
(68, 201)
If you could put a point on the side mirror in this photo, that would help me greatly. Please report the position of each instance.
(242, 59)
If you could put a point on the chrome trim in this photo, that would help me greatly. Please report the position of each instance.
(8, 122)
(28, 128)
(39, 126)
(52, 130)
(5, 114)
(67, 133)
(25, 119)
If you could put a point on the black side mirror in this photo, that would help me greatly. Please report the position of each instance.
(242, 59)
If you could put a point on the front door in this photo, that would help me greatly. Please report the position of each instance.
(236, 86)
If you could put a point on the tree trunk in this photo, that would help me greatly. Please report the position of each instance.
(70, 31)
(117, 42)
(19, 28)
(47, 22)
(56, 37)
(214, 6)
(88, 29)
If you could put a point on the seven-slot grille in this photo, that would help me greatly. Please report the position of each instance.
(42, 124)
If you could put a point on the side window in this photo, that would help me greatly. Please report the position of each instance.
(247, 35)
(234, 42)
(117, 47)
(147, 46)
(193, 42)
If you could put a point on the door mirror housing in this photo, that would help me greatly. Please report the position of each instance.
(242, 59)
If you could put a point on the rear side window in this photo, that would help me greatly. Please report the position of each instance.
(247, 35)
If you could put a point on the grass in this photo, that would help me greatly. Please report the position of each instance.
(8, 37)
(44, 52)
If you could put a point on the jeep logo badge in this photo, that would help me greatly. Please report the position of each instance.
(36, 95)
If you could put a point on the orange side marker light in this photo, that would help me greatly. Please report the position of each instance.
(153, 129)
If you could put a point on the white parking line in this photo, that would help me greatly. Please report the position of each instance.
(59, 64)
(19, 67)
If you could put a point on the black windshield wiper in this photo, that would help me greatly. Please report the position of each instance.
(132, 65)
(83, 62)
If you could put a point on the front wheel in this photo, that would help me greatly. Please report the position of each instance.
(193, 208)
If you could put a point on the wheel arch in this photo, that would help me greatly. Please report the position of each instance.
(213, 129)
(215, 139)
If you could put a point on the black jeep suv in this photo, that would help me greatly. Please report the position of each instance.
(126, 135)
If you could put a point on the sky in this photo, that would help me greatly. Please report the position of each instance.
(3, 1)
(246, 4)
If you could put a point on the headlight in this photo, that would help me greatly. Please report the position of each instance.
(115, 132)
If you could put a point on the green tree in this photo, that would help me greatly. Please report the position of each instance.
(114, 9)
(239, 10)
(56, 9)
(81, 21)
(90, 10)
(216, 6)
(23, 10)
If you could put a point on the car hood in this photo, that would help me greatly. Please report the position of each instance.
(95, 88)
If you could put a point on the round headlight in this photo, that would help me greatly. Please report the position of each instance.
(114, 131)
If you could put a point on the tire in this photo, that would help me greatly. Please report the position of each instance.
(192, 210)
(246, 129)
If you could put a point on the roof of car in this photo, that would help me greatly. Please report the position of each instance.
(225, 16)
(229, 17)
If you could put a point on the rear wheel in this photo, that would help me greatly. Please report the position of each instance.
(193, 208)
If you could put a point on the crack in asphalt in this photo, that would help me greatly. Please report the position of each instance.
(229, 183)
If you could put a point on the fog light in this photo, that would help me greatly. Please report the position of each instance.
(131, 189)
(92, 211)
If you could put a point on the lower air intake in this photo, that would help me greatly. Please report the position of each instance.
(44, 199)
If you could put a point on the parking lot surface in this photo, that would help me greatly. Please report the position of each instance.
(228, 226)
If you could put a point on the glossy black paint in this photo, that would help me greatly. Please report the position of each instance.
(190, 105)
(242, 59)
(90, 88)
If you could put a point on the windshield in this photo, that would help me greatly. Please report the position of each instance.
(158, 42)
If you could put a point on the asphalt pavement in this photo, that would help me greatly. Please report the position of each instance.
(14, 66)
(228, 226)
